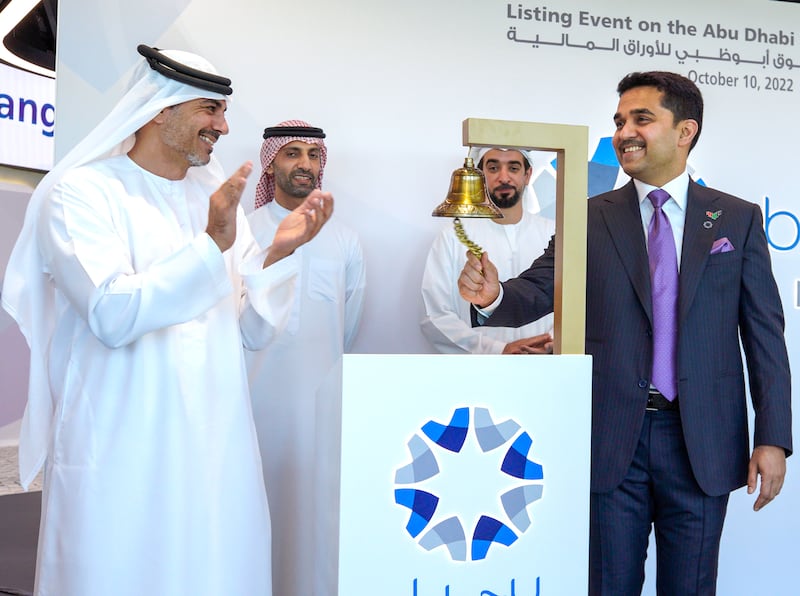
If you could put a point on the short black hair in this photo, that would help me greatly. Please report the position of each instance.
(681, 96)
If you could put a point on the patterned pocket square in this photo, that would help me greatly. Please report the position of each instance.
(721, 245)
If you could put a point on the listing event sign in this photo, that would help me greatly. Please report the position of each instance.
(465, 475)
(712, 52)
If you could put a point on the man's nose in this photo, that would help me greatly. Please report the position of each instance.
(304, 161)
(627, 130)
(221, 124)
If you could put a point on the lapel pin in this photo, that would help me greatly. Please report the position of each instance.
(711, 215)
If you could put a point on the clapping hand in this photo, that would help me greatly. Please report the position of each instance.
(301, 225)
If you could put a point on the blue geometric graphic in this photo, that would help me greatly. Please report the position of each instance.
(449, 533)
(604, 154)
(603, 168)
(422, 466)
(422, 505)
(516, 462)
(489, 530)
(516, 501)
(491, 435)
(452, 436)
(426, 507)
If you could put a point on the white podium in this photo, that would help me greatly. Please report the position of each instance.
(465, 475)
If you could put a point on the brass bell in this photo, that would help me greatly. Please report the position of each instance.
(467, 196)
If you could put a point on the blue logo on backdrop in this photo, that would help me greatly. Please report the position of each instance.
(432, 522)
(782, 227)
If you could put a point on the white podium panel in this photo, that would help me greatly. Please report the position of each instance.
(465, 475)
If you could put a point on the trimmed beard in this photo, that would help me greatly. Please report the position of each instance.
(506, 202)
(284, 182)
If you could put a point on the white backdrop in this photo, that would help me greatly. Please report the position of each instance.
(391, 83)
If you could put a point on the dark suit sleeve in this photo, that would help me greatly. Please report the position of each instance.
(761, 326)
(527, 297)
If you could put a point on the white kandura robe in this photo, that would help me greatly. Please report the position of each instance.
(153, 480)
(296, 392)
(512, 248)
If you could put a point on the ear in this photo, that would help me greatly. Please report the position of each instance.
(528, 175)
(161, 117)
(269, 169)
(688, 131)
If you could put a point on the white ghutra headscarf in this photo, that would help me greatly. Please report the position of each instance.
(530, 201)
(28, 291)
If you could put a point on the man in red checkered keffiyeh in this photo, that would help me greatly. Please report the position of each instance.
(277, 137)
(296, 406)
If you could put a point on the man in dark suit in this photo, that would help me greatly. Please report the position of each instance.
(666, 453)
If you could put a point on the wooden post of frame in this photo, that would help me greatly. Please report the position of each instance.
(571, 144)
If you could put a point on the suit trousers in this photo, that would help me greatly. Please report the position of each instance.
(659, 491)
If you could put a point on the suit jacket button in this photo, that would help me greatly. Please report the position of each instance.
(643, 383)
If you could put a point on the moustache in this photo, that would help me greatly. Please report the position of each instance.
(630, 143)
(210, 133)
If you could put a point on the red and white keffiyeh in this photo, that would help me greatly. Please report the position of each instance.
(265, 191)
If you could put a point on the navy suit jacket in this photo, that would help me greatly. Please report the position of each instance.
(724, 297)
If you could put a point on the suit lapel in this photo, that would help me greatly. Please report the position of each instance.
(698, 236)
(623, 218)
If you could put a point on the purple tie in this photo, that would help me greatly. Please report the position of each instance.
(664, 282)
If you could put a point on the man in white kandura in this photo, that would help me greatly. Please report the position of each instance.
(295, 381)
(137, 283)
(513, 242)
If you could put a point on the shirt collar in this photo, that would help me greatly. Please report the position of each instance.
(678, 189)
(278, 209)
